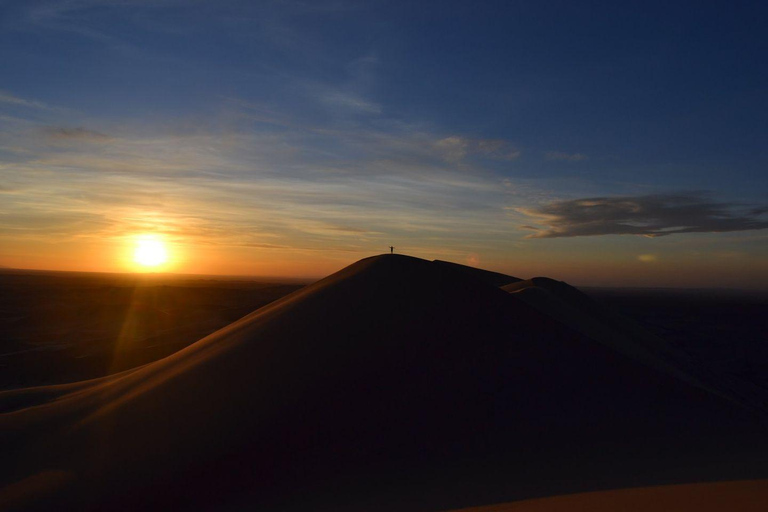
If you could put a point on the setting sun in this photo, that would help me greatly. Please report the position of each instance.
(150, 251)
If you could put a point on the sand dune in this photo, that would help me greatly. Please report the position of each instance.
(65, 327)
(744, 496)
(569, 306)
(396, 383)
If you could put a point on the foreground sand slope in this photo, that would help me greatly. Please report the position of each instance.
(743, 496)
(396, 382)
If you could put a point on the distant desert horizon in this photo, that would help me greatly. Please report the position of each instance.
(750, 288)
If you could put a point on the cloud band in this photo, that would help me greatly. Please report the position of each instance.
(649, 215)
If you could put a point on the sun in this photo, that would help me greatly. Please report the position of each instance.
(150, 251)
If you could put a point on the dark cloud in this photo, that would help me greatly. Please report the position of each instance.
(651, 216)
(83, 134)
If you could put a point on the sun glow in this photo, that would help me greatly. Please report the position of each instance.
(150, 251)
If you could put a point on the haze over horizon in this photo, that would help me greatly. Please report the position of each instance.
(605, 145)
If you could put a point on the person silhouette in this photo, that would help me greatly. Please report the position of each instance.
(391, 249)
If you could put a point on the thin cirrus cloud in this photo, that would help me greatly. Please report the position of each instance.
(11, 99)
(648, 215)
(352, 102)
(74, 134)
(456, 148)
(567, 157)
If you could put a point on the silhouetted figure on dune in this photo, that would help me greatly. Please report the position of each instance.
(391, 249)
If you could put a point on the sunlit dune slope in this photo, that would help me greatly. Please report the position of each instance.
(396, 383)
(741, 496)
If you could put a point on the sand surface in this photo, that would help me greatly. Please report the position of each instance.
(61, 327)
(742, 496)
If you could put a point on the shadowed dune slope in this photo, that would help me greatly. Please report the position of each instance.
(396, 383)
(576, 310)
(485, 276)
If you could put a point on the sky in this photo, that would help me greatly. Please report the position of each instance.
(601, 143)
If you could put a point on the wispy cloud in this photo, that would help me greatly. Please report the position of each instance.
(567, 157)
(8, 98)
(649, 215)
(351, 92)
(73, 16)
(348, 101)
(456, 148)
(76, 134)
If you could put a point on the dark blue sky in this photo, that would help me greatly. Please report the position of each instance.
(487, 113)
